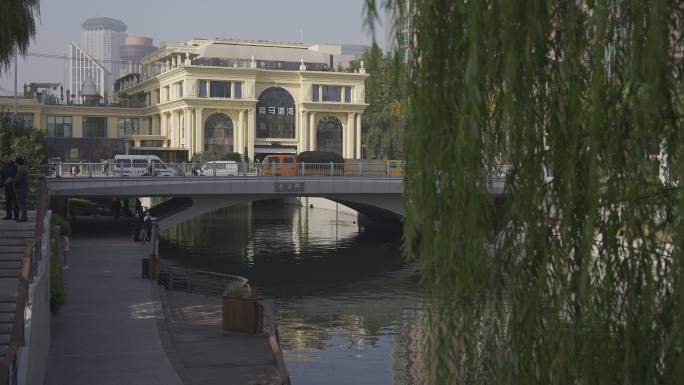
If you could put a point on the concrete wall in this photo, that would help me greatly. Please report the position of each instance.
(33, 356)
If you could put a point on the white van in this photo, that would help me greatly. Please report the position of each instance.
(141, 165)
(220, 168)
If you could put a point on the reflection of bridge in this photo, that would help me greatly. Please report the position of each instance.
(372, 194)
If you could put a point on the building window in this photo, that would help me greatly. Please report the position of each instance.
(26, 120)
(128, 127)
(218, 134)
(202, 88)
(238, 90)
(347, 94)
(151, 143)
(157, 99)
(180, 89)
(316, 97)
(329, 135)
(219, 89)
(275, 114)
(167, 95)
(59, 126)
(332, 93)
(94, 127)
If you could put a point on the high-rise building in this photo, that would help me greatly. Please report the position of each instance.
(134, 49)
(399, 29)
(82, 67)
(101, 39)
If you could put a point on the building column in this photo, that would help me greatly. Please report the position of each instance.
(187, 114)
(199, 129)
(164, 127)
(303, 132)
(357, 137)
(349, 134)
(312, 131)
(240, 135)
(179, 127)
(251, 125)
(171, 133)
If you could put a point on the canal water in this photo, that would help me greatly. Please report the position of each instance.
(346, 301)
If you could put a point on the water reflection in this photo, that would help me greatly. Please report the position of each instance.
(347, 302)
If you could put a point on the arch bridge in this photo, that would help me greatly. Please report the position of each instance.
(371, 190)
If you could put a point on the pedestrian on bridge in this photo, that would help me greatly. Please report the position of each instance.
(7, 173)
(21, 187)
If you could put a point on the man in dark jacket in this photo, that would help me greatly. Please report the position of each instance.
(21, 187)
(7, 173)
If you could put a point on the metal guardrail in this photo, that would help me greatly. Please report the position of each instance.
(227, 169)
(194, 281)
(350, 168)
(29, 267)
(189, 280)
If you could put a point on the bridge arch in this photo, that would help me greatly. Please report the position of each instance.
(218, 133)
(275, 114)
(389, 206)
(329, 134)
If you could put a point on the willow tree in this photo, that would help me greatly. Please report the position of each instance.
(17, 27)
(576, 279)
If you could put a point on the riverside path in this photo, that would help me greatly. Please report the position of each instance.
(106, 332)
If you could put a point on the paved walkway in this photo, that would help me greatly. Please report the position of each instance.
(106, 332)
(206, 355)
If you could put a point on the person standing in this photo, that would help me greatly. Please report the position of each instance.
(7, 173)
(138, 207)
(116, 207)
(21, 187)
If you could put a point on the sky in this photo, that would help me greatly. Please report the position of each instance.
(172, 21)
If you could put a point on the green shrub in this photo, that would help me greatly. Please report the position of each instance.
(64, 225)
(320, 157)
(207, 156)
(239, 289)
(57, 294)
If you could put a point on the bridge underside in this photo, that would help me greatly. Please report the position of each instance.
(389, 205)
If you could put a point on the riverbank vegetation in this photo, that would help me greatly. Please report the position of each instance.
(384, 121)
(572, 283)
(57, 292)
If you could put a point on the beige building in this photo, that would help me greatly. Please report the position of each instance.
(250, 97)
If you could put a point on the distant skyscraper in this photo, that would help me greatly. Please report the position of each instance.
(101, 40)
(399, 29)
(134, 49)
(82, 67)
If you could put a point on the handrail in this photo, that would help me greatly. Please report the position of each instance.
(211, 273)
(349, 168)
(29, 265)
(194, 281)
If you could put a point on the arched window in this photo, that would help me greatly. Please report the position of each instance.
(218, 134)
(329, 135)
(275, 114)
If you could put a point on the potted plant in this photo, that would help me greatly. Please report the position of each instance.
(240, 308)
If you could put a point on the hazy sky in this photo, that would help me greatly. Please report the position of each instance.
(321, 21)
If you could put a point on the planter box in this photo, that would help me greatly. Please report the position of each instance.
(240, 314)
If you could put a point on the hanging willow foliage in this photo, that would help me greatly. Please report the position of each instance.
(17, 27)
(575, 279)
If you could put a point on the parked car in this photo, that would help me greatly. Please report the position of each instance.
(141, 165)
(220, 168)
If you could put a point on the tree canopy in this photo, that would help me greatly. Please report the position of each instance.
(17, 27)
(577, 277)
(384, 120)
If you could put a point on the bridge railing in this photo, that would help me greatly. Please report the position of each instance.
(356, 168)
(350, 168)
